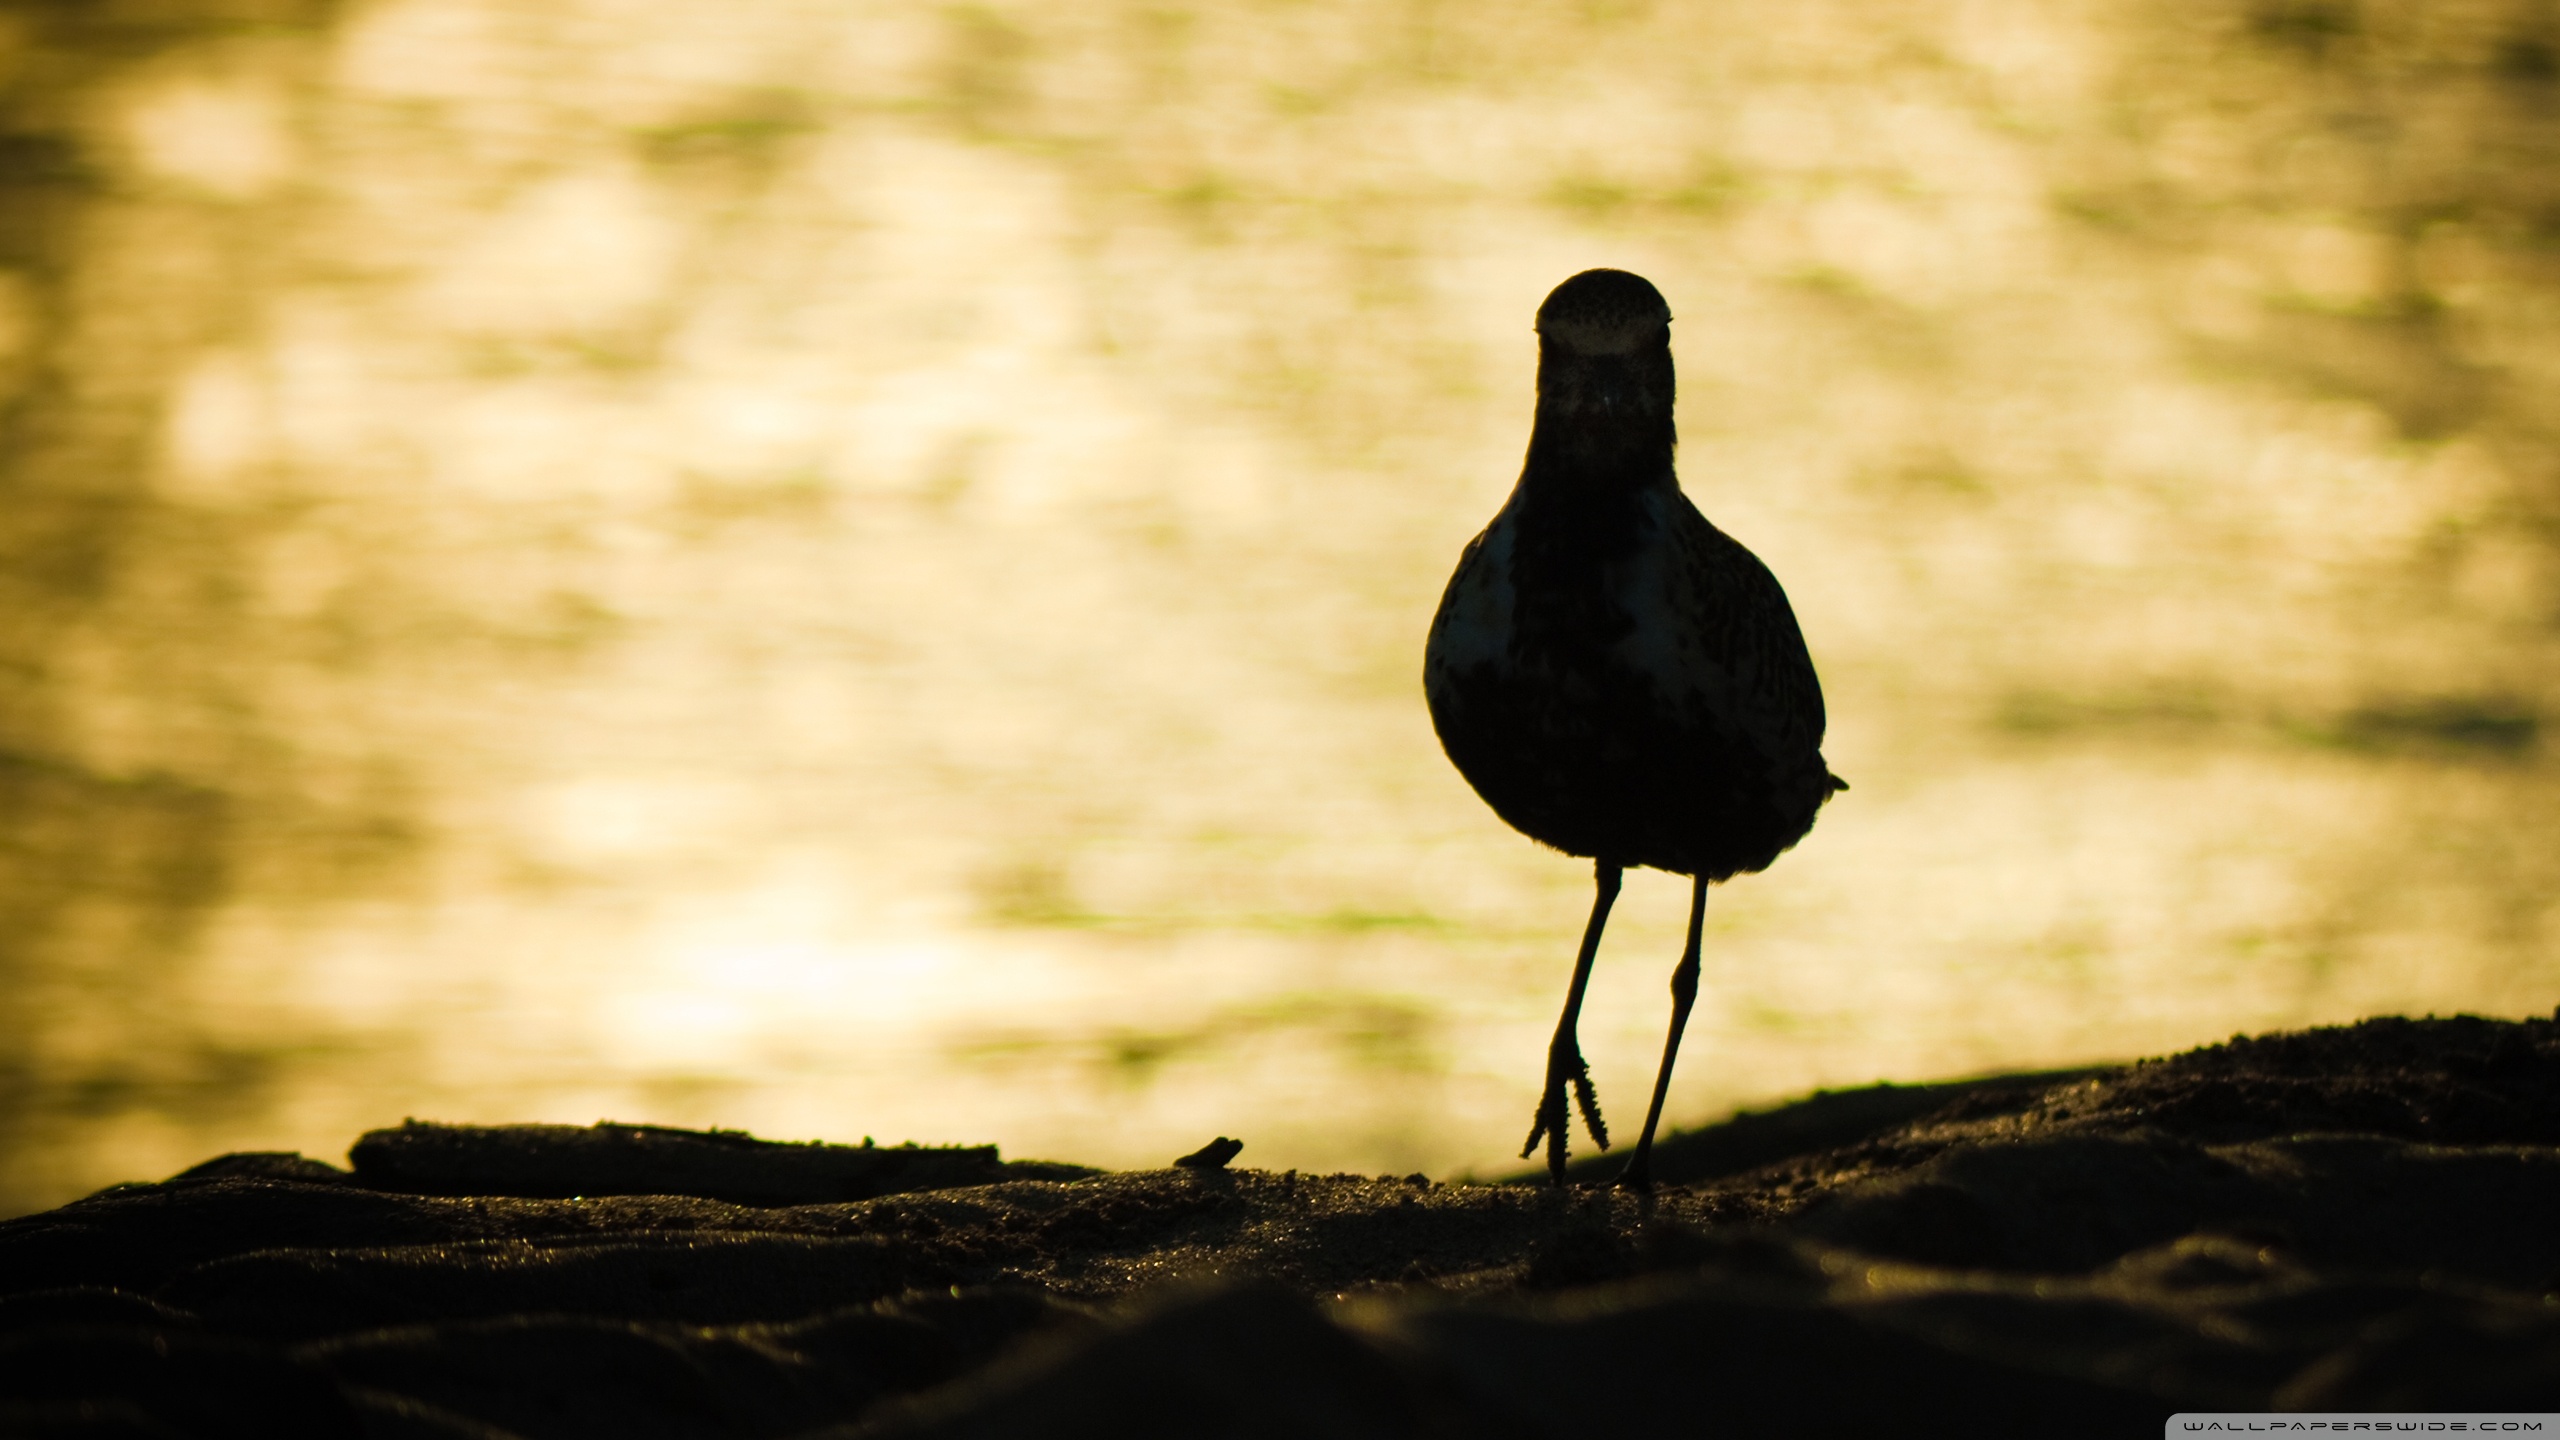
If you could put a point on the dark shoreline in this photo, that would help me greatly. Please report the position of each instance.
(2350, 1218)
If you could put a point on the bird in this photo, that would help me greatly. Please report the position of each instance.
(1617, 678)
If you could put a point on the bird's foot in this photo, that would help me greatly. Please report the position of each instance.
(1587, 1100)
(1565, 1071)
(1638, 1176)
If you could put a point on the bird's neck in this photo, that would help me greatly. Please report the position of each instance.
(1581, 502)
(1606, 461)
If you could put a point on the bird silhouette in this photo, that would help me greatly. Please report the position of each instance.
(1615, 676)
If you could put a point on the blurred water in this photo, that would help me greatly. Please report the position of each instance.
(855, 569)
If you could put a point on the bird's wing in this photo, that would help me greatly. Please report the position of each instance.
(1477, 612)
(1714, 632)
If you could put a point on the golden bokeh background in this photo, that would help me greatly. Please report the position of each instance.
(859, 568)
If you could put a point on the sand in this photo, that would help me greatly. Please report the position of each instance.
(2357, 1218)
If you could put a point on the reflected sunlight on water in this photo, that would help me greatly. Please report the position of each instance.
(850, 569)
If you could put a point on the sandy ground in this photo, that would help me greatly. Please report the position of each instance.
(2356, 1218)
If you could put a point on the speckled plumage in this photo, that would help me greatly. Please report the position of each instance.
(1615, 676)
(1652, 706)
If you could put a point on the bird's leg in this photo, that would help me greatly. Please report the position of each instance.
(1564, 1054)
(1684, 993)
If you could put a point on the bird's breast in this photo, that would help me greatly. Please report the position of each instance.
(1666, 617)
(1575, 622)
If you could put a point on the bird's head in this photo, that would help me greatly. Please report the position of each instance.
(1604, 351)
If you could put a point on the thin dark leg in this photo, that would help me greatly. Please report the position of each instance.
(1564, 1054)
(1684, 993)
